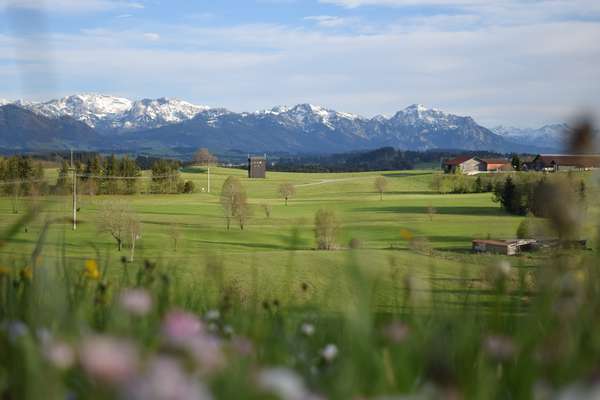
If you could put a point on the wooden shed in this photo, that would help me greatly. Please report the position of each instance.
(257, 167)
(506, 247)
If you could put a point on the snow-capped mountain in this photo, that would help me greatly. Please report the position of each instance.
(552, 136)
(312, 129)
(110, 114)
(166, 123)
(4, 102)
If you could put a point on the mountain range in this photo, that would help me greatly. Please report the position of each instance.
(93, 121)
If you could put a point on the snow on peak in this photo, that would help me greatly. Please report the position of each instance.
(117, 113)
(4, 102)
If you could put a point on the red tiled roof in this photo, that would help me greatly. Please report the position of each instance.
(458, 160)
(495, 161)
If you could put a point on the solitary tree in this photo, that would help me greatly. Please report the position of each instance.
(234, 202)
(381, 185)
(287, 190)
(267, 209)
(134, 231)
(203, 157)
(117, 219)
(175, 234)
(326, 229)
(431, 211)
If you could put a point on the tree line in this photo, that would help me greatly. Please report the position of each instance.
(523, 194)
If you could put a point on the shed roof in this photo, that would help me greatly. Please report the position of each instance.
(578, 160)
(458, 160)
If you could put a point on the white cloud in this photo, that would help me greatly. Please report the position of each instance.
(329, 21)
(511, 74)
(152, 37)
(70, 6)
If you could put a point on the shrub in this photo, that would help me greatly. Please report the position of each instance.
(326, 229)
(189, 187)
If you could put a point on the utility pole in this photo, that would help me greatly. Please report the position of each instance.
(74, 192)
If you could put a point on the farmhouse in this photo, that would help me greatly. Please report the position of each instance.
(506, 247)
(257, 167)
(472, 165)
(564, 162)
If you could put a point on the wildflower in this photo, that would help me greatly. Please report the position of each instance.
(284, 383)
(396, 332)
(416, 289)
(212, 315)
(136, 302)
(496, 274)
(406, 235)
(164, 379)
(59, 354)
(242, 346)
(206, 351)
(307, 329)
(92, 271)
(329, 353)
(500, 348)
(108, 360)
(26, 274)
(228, 330)
(179, 326)
(15, 330)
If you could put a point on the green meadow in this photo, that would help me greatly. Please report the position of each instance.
(410, 231)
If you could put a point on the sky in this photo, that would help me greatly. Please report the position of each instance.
(523, 63)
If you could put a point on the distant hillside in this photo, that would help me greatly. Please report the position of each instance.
(21, 129)
(176, 128)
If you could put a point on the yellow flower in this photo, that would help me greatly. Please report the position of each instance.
(406, 234)
(91, 270)
(26, 273)
(4, 271)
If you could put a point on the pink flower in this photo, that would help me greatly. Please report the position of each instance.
(136, 302)
(500, 348)
(178, 326)
(164, 379)
(59, 354)
(329, 353)
(396, 332)
(108, 360)
(206, 352)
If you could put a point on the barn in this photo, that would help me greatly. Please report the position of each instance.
(564, 162)
(257, 167)
(506, 247)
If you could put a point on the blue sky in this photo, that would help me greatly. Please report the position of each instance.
(513, 62)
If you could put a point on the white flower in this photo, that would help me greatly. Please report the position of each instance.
(212, 315)
(136, 302)
(307, 329)
(284, 383)
(329, 352)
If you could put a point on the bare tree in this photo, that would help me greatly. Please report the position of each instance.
(243, 210)
(204, 158)
(175, 234)
(381, 185)
(267, 209)
(235, 202)
(326, 229)
(134, 231)
(431, 211)
(287, 190)
(116, 218)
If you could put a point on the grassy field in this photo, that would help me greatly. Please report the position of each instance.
(276, 249)
(260, 314)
